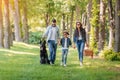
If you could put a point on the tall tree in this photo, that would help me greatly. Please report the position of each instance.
(47, 15)
(63, 21)
(117, 27)
(6, 25)
(102, 25)
(1, 25)
(95, 24)
(17, 21)
(88, 25)
(111, 24)
(77, 12)
(24, 23)
(84, 19)
(72, 8)
(49, 8)
(11, 26)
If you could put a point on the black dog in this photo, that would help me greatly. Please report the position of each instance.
(43, 53)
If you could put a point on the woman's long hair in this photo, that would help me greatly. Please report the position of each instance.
(76, 33)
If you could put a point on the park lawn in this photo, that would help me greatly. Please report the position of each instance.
(21, 62)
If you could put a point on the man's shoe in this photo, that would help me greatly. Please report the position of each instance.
(51, 63)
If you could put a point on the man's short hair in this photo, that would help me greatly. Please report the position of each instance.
(54, 20)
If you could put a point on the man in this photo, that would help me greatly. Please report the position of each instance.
(52, 34)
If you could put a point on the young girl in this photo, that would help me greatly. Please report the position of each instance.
(65, 43)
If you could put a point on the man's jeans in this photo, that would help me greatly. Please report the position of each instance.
(52, 49)
(64, 55)
(80, 46)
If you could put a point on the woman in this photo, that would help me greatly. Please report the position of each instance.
(79, 39)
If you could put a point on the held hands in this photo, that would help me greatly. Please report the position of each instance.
(87, 45)
(74, 46)
(58, 41)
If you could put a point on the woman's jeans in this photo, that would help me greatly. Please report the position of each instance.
(52, 49)
(80, 46)
(64, 55)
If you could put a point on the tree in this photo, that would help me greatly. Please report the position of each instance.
(1, 25)
(11, 26)
(25, 28)
(117, 27)
(102, 25)
(17, 21)
(111, 24)
(47, 15)
(6, 25)
(72, 8)
(63, 21)
(77, 12)
(88, 25)
(49, 8)
(94, 32)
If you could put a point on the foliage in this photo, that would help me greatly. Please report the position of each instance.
(118, 56)
(95, 14)
(34, 37)
(38, 9)
(94, 24)
(110, 55)
(93, 43)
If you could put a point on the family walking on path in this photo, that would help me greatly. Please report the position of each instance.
(53, 38)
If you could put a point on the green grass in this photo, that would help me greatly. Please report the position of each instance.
(21, 62)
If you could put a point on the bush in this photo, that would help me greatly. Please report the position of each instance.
(110, 55)
(118, 56)
(34, 37)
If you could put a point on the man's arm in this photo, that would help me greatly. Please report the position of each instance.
(46, 32)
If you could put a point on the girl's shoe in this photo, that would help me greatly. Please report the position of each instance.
(81, 64)
(65, 65)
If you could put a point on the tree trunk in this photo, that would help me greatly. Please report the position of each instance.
(117, 27)
(77, 13)
(1, 25)
(11, 36)
(63, 16)
(88, 25)
(17, 22)
(94, 30)
(47, 19)
(6, 25)
(97, 27)
(24, 22)
(47, 15)
(102, 26)
(84, 18)
(71, 23)
(11, 26)
(67, 22)
(111, 24)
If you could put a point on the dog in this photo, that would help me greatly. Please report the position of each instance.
(88, 52)
(43, 53)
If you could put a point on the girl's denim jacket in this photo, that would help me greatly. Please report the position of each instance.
(62, 42)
